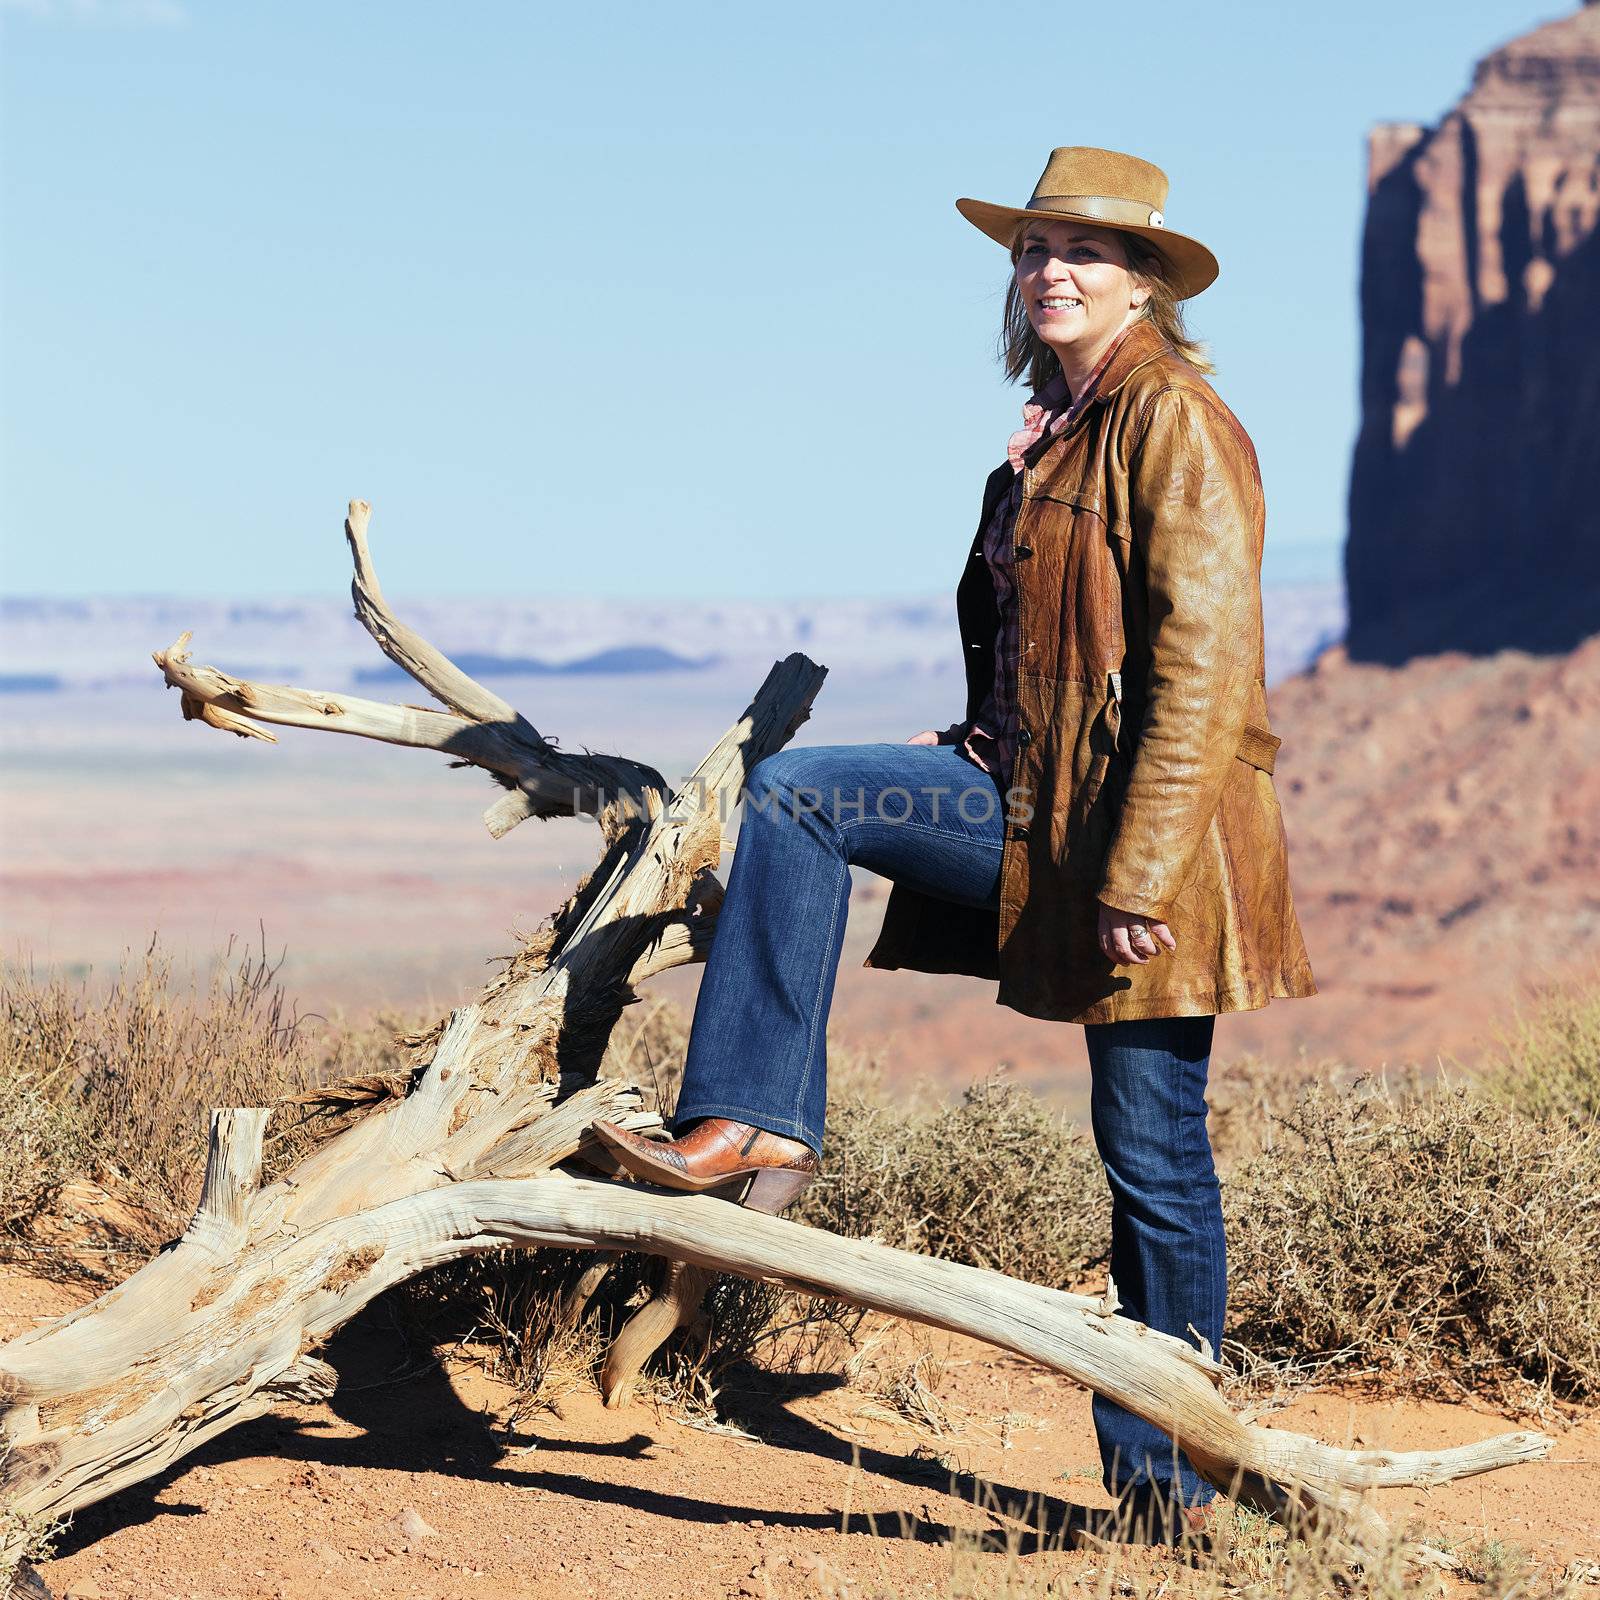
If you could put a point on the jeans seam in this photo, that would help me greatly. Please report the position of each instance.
(1195, 1145)
(1215, 1237)
(922, 827)
(841, 887)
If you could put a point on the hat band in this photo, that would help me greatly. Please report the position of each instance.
(1100, 207)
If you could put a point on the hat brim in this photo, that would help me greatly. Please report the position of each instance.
(1191, 267)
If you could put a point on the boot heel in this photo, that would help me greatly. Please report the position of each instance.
(776, 1189)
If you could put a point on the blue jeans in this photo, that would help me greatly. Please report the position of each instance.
(1147, 1105)
(928, 816)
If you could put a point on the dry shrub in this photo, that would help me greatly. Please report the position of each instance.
(1248, 1094)
(996, 1179)
(1547, 1064)
(116, 1081)
(1431, 1236)
(518, 1314)
(906, 1390)
(44, 1143)
(1445, 1238)
(513, 1310)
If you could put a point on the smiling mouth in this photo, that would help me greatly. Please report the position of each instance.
(1060, 303)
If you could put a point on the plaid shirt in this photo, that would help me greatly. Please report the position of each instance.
(991, 741)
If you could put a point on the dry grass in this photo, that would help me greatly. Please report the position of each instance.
(115, 1081)
(1241, 1554)
(901, 1386)
(647, 1047)
(513, 1313)
(24, 1539)
(1247, 1097)
(516, 1313)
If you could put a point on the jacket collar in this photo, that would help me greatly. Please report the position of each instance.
(1141, 344)
(1138, 347)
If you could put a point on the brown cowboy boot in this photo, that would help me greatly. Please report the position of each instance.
(721, 1155)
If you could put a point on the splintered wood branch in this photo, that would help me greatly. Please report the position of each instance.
(434, 670)
(552, 783)
(674, 1305)
(477, 729)
(222, 1326)
(233, 1174)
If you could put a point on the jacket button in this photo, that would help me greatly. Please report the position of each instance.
(1023, 736)
(1024, 551)
(1019, 833)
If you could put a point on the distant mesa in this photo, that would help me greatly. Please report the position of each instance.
(620, 659)
(103, 642)
(29, 682)
(1474, 519)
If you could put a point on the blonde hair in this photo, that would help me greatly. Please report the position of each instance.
(1024, 354)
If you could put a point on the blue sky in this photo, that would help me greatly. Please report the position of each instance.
(630, 299)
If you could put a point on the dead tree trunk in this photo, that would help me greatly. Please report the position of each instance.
(226, 1323)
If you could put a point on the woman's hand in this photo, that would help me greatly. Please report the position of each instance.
(1130, 940)
(954, 734)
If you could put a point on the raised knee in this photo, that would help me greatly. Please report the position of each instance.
(783, 784)
(808, 773)
(780, 770)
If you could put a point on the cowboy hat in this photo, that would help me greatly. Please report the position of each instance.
(1110, 190)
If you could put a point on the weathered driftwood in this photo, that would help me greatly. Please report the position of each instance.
(225, 1324)
(477, 728)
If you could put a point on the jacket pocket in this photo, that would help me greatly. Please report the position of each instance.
(1092, 816)
(1105, 740)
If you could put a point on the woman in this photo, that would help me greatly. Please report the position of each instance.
(1100, 833)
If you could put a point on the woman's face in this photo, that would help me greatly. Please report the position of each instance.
(1075, 285)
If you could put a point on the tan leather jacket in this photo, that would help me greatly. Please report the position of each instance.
(1143, 771)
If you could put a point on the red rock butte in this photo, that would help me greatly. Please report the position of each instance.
(1474, 522)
